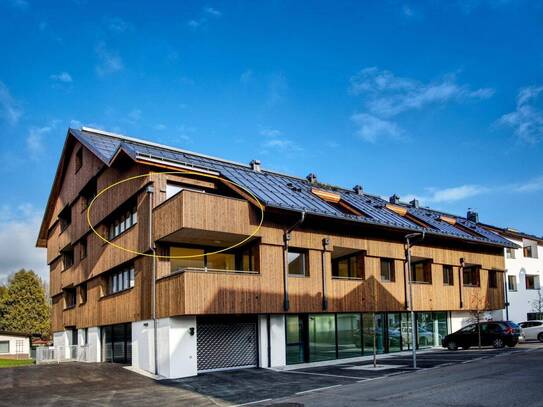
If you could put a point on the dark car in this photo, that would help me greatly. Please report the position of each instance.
(495, 333)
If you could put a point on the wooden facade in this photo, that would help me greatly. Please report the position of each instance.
(221, 214)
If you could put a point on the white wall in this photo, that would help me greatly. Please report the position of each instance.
(262, 341)
(176, 346)
(278, 340)
(94, 344)
(521, 301)
(24, 341)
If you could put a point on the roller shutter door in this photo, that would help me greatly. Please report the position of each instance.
(226, 343)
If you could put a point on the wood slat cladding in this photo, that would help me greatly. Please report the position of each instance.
(196, 215)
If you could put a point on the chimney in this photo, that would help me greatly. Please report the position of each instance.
(415, 203)
(255, 165)
(394, 199)
(473, 216)
(358, 189)
(312, 178)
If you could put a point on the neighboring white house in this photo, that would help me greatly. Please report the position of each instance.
(524, 270)
(14, 345)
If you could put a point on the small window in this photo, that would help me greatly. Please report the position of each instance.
(65, 218)
(122, 223)
(448, 275)
(421, 272)
(350, 266)
(83, 293)
(532, 282)
(79, 159)
(69, 297)
(387, 270)
(530, 251)
(67, 258)
(120, 280)
(83, 248)
(89, 192)
(510, 253)
(4, 346)
(492, 279)
(470, 276)
(297, 263)
(512, 283)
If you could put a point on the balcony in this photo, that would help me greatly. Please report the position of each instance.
(203, 218)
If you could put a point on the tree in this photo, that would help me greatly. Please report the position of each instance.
(23, 306)
(479, 304)
(537, 304)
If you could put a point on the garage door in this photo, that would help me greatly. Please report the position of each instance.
(225, 343)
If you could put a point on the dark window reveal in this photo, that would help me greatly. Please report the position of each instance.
(387, 270)
(297, 263)
(448, 275)
(421, 272)
(78, 159)
(492, 279)
(470, 276)
(351, 266)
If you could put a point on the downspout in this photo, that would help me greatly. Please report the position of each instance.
(506, 295)
(152, 248)
(325, 244)
(268, 328)
(286, 238)
(460, 282)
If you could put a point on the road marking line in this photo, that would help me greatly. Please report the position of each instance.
(252, 402)
(323, 374)
(319, 388)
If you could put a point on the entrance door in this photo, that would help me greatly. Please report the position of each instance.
(226, 343)
(117, 343)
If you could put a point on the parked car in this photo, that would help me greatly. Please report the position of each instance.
(532, 330)
(495, 333)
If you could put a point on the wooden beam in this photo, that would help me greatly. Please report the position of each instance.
(326, 195)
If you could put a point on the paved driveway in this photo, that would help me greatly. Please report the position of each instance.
(108, 384)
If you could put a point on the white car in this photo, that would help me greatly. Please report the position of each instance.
(532, 330)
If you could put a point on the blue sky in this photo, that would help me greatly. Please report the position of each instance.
(438, 100)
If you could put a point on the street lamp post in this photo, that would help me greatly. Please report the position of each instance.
(409, 241)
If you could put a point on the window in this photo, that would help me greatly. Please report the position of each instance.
(192, 258)
(89, 192)
(83, 293)
(512, 283)
(387, 270)
(532, 282)
(421, 272)
(350, 266)
(470, 276)
(469, 329)
(83, 248)
(123, 222)
(534, 315)
(244, 259)
(79, 159)
(85, 336)
(121, 280)
(69, 297)
(4, 346)
(530, 251)
(65, 218)
(448, 275)
(67, 258)
(492, 279)
(510, 253)
(297, 263)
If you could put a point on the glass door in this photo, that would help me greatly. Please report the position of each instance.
(349, 335)
(406, 331)
(322, 337)
(394, 332)
(295, 339)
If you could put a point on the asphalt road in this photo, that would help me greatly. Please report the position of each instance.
(504, 377)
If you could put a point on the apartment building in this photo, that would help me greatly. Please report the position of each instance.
(523, 266)
(197, 263)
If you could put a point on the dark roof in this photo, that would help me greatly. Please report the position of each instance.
(287, 192)
(8, 333)
(513, 233)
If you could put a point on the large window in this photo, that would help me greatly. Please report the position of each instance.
(117, 343)
(532, 282)
(121, 280)
(448, 275)
(4, 346)
(244, 259)
(295, 339)
(470, 276)
(373, 332)
(297, 262)
(394, 332)
(421, 272)
(349, 335)
(492, 279)
(322, 337)
(350, 266)
(122, 222)
(512, 283)
(425, 329)
(387, 270)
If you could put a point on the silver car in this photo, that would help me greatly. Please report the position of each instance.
(532, 330)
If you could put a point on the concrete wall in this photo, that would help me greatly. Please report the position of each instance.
(24, 348)
(523, 300)
(278, 340)
(176, 346)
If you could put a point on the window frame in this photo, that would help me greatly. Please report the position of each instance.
(360, 269)
(68, 253)
(123, 220)
(448, 271)
(391, 271)
(9, 346)
(426, 271)
(509, 253)
(492, 279)
(305, 262)
(536, 282)
(476, 272)
(70, 293)
(117, 279)
(83, 248)
(82, 293)
(515, 289)
(65, 218)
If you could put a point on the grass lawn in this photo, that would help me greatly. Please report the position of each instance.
(15, 362)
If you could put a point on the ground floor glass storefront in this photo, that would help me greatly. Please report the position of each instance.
(317, 337)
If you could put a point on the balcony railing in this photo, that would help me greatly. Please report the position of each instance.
(211, 270)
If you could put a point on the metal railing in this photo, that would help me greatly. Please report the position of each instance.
(58, 354)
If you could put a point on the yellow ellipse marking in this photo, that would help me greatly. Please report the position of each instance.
(170, 173)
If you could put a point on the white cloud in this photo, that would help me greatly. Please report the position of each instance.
(212, 11)
(270, 132)
(116, 24)
(134, 115)
(63, 77)
(18, 233)
(202, 21)
(19, 4)
(387, 95)
(109, 61)
(527, 120)
(34, 140)
(159, 127)
(277, 89)
(246, 77)
(371, 128)
(275, 140)
(9, 108)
